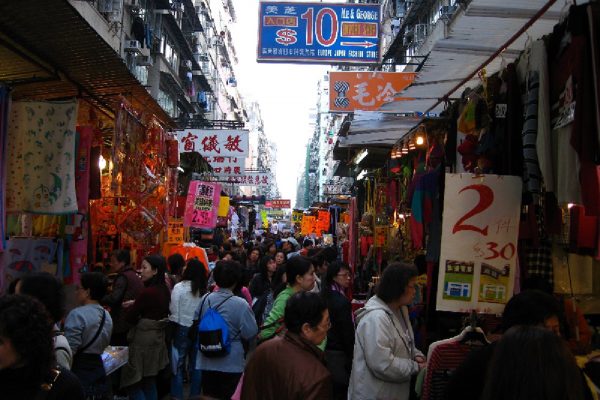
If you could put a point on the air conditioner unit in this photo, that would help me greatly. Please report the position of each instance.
(144, 61)
(132, 46)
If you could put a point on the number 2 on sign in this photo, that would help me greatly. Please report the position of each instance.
(486, 198)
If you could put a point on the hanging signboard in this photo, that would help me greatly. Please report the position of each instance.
(278, 203)
(479, 242)
(365, 90)
(227, 166)
(214, 142)
(202, 204)
(318, 33)
(297, 216)
(175, 231)
(251, 179)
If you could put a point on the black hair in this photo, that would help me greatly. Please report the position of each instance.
(227, 274)
(226, 246)
(176, 263)
(530, 307)
(421, 263)
(303, 308)
(333, 269)
(316, 255)
(536, 282)
(12, 286)
(122, 255)
(284, 255)
(26, 323)
(394, 280)
(196, 274)
(256, 248)
(97, 284)
(307, 242)
(532, 363)
(277, 280)
(297, 266)
(158, 264)
(48, 290)
(262, 266)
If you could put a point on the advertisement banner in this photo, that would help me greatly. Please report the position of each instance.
(479, 242)
(227, 166)
(175, 231)
(201, 205)
(214, 142)
(318, 33)
(251, 179)
(278, 203)
(365, 90)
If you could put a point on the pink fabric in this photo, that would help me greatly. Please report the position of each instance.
(237, 395)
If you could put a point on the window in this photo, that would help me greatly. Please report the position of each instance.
(166, 102)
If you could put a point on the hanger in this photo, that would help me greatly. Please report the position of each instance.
(472, 334)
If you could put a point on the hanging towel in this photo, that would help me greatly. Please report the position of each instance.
(41, 158)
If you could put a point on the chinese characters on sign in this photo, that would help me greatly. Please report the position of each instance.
(366, 91)
(202, 204)
(214, 142)
(479, 242)
(251, 179)
(319, 32)
(279, 203)
(227, 166)
(175, 231)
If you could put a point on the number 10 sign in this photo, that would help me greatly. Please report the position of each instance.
(480, 228)
(201, 205)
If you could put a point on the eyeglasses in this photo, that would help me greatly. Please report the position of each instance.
(325, 328)
(344, 274)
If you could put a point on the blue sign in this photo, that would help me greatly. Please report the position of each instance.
(318, 33)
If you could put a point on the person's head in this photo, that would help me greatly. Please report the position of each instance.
(176, 263)
(300, 273)
(397, 284)
(280, 257)
(532, 307)
(153, 270)
(47, 289)
(307, 244)
(532, 363)
(228, 274)
(267, 266)
(92, 287)
(286, 246)
(119, 259)
(196, 274)
(254, 255)
(26, 338)
(316, 255)
(226, 256)
(338, 273)
(306, 315)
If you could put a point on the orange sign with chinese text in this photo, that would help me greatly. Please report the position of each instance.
(365, 90)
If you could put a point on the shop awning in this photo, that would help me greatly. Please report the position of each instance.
(49, 51)
(376, 129)
(472, 37)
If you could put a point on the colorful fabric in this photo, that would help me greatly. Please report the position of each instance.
(23, 256)
(41, 158)
(444, 359)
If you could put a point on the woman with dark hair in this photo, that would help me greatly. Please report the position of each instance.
(220, 375)
(261, 281)
(176, 264)
(147, 344)
(280, 257)
(251, 265)
(49, 291)
(531, 362)
(88, 329)
(185, 300)
(385, 356)
(340, 339)
(307, 322)
(300, 275)
(27, 365)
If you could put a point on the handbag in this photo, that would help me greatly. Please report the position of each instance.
(89, 367)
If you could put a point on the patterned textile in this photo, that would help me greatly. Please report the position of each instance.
(444, 359)
(25, 255)
(538, 261)
(41, 158)
(532, 175)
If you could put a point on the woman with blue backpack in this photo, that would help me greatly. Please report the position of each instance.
(224, 321)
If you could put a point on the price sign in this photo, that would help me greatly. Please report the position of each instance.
(479, 242)
(175, 231)
(201, 205)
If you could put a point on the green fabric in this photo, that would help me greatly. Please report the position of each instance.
(276, 314)
(419, 382)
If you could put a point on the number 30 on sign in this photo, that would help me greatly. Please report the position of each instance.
(479, 234)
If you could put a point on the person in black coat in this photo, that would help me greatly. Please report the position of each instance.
(261, 281)
(340, 338)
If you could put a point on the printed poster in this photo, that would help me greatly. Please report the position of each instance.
(480, 228)
(202, 204)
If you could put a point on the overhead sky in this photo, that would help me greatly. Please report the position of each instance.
(286, 94)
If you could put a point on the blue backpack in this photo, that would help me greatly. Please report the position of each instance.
(213, 332)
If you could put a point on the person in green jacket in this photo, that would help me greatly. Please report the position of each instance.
(300, 277)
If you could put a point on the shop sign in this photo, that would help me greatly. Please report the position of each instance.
(318, 33)
(479, 242)
(251, 179)
(227, 166)
(278, 203)
(201, 205)
(175, 231)
(297, 216)
(214, 142)
(365, 90)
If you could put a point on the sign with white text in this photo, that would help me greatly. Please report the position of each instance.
(318, 32)
(278, 203)
(480, 228)
(251, 179)
(202, 204)
(214, 142)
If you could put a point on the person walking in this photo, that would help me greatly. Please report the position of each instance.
(261, 281)
(88, 329)
(185, 299)
(147, 343)
(385, 356)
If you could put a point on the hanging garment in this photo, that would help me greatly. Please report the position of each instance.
(444, 359)
(85, 135)
(4, 102)
(41, 158)
(23, 256)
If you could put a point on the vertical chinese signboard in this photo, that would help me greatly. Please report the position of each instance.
(201, 205)
(318, 32)
(479, 242)
(365, 90)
